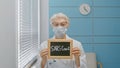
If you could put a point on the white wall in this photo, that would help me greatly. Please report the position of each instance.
(44, 11)
(7, 34)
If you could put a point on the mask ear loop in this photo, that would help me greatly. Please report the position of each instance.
(65, 33)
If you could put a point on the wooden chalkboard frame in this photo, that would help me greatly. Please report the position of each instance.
(60, 40)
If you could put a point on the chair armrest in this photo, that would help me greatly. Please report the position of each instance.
(99, 63)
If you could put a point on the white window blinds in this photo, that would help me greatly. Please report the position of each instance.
(28, 39)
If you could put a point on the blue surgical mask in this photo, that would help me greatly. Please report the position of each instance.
(59, 31)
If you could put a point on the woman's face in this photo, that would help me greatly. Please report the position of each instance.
(60, 22)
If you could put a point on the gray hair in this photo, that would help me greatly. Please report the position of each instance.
(59, 15)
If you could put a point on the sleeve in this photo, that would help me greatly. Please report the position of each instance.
(83, 61)
(40, 48)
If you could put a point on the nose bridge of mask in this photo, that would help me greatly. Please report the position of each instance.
(59, 29)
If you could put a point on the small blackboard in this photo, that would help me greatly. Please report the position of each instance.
(60, 49)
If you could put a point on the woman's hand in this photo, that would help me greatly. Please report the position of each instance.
(44, 54)
(76, 53)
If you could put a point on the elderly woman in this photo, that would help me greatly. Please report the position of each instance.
(60, 24)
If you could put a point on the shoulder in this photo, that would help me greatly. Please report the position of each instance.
(77, 43)
(43, 45)
(44, 42)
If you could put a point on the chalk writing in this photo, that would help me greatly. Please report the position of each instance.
(59, 48)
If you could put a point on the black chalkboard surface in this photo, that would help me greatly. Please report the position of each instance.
(60, 49)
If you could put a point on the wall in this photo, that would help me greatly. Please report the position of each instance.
(44, 15)
(7, 34)
(99, 31)
(8, 30)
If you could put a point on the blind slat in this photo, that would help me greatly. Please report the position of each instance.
(28, 39)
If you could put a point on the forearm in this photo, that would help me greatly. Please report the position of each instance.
(77, 61)
(43, 64)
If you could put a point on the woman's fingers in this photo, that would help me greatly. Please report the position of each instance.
(76, 51)
(44, 52)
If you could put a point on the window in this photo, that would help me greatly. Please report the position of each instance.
(27, 31)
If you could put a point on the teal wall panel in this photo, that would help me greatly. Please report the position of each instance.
(107, 3)
(106, 12)
(69, 3)
(107, 40)
(98, 31)
(69, 11)
(106, 28)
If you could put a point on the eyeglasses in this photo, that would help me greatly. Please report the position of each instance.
(59, 24)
